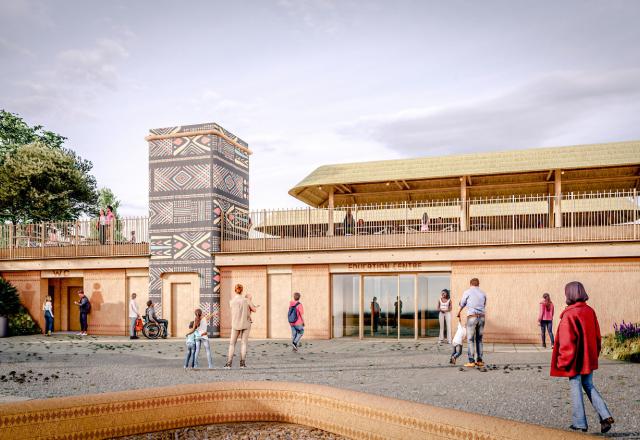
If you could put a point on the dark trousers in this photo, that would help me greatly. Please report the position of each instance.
(376, 322)
(548, 326)
(83, 322)
(102, 233)
(48, 322)
(457, 351)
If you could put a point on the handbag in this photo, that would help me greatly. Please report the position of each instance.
(139, 324)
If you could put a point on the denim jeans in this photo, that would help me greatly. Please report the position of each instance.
(203, 342)
(475, 329)
(548, 326)
(577, 384)
(83, 322)
(457, 351)
(48, 319)
(132, 326)
(190, 358)
(296, 334)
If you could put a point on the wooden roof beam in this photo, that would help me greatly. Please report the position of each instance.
(549, 174)
(404, 182)
(469, 182)
(398, 184)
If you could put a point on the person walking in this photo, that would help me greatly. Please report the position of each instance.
(575, 355)
(190, 358)
(545, 319)
(85, 308)
(296, 320)
(134, 314)
(240, 326)
(461, 333)
(200, 324)
(444, 306)
(47, 307)
(475, 300)
(375, 314)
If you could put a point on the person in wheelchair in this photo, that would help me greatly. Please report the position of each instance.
(151, 317)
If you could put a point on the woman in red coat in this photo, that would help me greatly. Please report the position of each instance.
(575, 355)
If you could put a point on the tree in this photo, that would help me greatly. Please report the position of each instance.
(14, 132)
(40, 183)
(47, 204)
(106, 197)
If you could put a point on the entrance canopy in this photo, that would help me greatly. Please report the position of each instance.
(582, 168)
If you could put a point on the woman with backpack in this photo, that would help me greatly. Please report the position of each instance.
(296, 320)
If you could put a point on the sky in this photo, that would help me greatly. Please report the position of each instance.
(308, 83)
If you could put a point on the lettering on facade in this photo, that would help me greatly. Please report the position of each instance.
(400, 265)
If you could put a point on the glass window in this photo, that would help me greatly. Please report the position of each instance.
(346, 310)
(429, 288)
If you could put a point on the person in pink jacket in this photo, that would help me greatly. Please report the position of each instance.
(545, 319)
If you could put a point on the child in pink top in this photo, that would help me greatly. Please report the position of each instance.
(545, 318)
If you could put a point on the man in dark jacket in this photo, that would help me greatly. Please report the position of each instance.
(85, 307)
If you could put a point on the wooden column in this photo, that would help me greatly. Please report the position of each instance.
(464, 208)
(557, 201)
(330, 231)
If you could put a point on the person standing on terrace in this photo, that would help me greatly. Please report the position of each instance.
(110, 223)
(349, 223)
(102, 226)
(476, 301)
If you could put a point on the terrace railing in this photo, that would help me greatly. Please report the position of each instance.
(583, 217)
(81, 238)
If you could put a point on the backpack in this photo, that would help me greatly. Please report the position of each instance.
(88, 306)
(293, 313)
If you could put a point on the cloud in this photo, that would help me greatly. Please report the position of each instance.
(98, 64)
(320, 15)
(7, 47)
(565, 107)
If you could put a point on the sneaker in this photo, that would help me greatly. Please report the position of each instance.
(84, 333)
(578, 429)
(605, 425)
(227, 366)
(295, 348)
(479, 364)
(79, 334)
(452, 361)
(470, 364)
(243, 364)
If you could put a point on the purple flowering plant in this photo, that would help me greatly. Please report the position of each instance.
(626, 330)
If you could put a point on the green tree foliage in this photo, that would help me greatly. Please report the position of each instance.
(41, 183)
(37, 177)
(106, 197)
(14, 132)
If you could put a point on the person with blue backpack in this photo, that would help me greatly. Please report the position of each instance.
(296, 320)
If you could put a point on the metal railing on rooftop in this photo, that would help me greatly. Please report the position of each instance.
(570, 218)
(81, 238)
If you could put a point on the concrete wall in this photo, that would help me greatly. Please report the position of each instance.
(313, 283)
(254, 280)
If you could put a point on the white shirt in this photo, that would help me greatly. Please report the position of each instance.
(133, 309)
(48, 307)
(461, 333)
(202, 328)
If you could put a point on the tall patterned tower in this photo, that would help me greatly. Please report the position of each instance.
(197, 173)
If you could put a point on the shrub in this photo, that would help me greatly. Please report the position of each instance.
(626, 330)
(624, 344)
(9, 299)
(20, 322)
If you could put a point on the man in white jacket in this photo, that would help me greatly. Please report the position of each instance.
(133, 316)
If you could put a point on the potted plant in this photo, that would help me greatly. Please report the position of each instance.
(9, 305)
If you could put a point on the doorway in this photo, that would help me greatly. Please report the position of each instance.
(181, 312)
(73, 309)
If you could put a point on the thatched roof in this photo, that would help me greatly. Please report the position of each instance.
(352, 180)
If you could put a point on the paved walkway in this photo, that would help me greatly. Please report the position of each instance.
(515, 384)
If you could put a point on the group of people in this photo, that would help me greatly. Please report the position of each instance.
(576, 347)
(84, 306)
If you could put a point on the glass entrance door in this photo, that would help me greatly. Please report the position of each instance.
(429, 289)
(380, 297)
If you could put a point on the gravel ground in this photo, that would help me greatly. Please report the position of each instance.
(240, 431)
(516, 384)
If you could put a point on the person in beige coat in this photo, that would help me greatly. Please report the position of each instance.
(241, 310)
